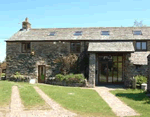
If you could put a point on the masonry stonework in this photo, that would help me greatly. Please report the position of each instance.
(27, 64)
(130, 70)
(148, 80)
(92, 68)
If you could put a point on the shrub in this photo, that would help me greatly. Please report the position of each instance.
(59, 77)
(67, 62)
(18, 77)
(42, 77)
(74, 78)
(70, 78)
(3, 75)
(140, 79)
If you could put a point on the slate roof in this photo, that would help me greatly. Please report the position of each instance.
(91, 33)
(139, 58)
(111, 47)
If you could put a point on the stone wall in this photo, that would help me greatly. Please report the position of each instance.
(45, 54)
(130, 70)
(92, 68)
(27, 64)
(148, 80)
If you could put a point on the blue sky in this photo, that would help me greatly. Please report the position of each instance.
(69, 13)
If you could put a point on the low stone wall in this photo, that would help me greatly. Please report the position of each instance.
(63, 83)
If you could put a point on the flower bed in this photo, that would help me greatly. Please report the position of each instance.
(76, 80)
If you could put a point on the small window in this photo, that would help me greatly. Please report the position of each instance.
(138, 67)
(137, 33)
(78, 33)
(26, 47)
(52, 34)
(75, 47)
(104, 32)
(141, 46)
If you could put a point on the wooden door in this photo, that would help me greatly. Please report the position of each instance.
(41, 73)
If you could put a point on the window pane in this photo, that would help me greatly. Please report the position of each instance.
(137, 32)
(103, 74)
(52, 33)
(138, 45)
(114, 58)
(143, 45)
(77, 33)
(115, 69)
(119, 58)
(28, 45)
(23, 48)
(75, 47)
(105, 33)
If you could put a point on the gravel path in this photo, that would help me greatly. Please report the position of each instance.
(118, 107)
(16, 107)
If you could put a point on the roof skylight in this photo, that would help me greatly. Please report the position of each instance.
(52, 34)
(137, 32)
(78, 33)
(104, 32)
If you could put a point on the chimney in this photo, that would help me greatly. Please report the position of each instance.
(26, 25)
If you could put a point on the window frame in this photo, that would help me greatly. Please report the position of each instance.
(53, 33)
(138, 67)
(137, 31)
(26, 43)
(140, 46)
(76, 33)
(105, 31)
(75, 47)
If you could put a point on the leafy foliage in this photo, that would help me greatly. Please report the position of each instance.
(59, 77)
(3, 75)
(42, 77)
(70, 78)
(18, 76)
(140, 79)
(139, 24)
(67, 62)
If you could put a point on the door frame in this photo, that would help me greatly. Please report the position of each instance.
(39, 80)
(99, 68)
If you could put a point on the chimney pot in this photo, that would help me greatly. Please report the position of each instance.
(25, 24)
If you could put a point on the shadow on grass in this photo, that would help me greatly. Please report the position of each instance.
(135, 96)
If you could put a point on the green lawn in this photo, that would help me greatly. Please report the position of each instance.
(30, 98)
(136, 99)
(86, 102)
(5, 93)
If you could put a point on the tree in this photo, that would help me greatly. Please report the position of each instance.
(139, 24)
(67, 63)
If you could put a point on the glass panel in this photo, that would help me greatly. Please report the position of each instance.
(115, 72)
(120, 58)
(110, 71)
(77, 33)
(119, 72)
(137, 32)
(143, 45)
(114, 58)
(138, 45)
(103, 72)
(23, 47)
(105, 33)
(52, 33)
